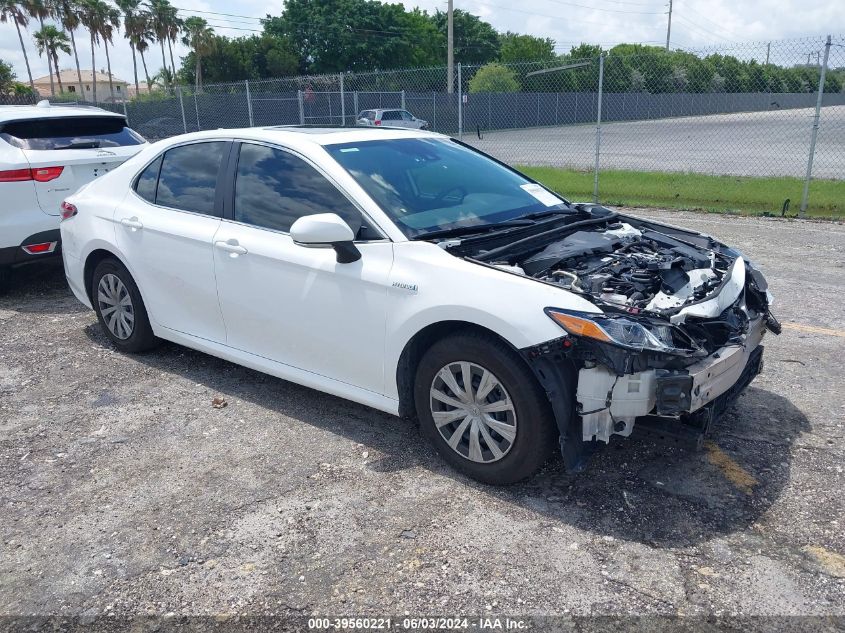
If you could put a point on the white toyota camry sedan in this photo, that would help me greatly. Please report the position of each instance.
(411, 273)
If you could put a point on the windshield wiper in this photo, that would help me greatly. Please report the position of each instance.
(476, 228)
(80, 145)
(547, 212)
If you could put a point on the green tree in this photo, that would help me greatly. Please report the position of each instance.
(494, 78)
(254, 57)
(49, 41)
(200, 38)
(514, 47)
(7, 78)
(12, 11)
(331, 36)
(476, 41)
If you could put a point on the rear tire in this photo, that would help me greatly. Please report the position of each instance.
(120, 308)
(5, 276)
(505, 410)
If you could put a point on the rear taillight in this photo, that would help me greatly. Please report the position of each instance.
(68, 210)
(378, 122)
(15, 175)
(39, 174)
(46, 174)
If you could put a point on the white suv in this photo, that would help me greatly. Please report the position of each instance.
(408, 272)
(46, 153)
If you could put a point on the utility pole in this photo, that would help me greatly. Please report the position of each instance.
(669, 26)
(768, 52)
(450, 45)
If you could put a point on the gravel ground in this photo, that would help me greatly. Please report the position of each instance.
(125, 491)
(745, 144)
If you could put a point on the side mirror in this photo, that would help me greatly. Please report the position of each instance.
(326, 229)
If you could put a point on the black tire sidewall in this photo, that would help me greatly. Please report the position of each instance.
(536, 432)
(142, 337)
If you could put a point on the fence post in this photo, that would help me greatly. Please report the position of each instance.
(460, 105)
(355, 105)
(125, 113)
(598, 131)
(342, 102)
(197, 110)
(805, 196)
(249, 103)
(301, 107)
(403, 100)
(182, 108)
(434, 108)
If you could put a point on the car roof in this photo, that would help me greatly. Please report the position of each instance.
(297, 135)
(44, 110)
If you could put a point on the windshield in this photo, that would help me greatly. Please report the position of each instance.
(431, 185)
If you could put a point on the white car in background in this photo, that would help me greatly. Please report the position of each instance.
(410, 273)
(46, 153)
(390, 117)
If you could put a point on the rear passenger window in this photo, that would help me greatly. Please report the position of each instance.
(188, 177)
(147, 181)
(274, 188)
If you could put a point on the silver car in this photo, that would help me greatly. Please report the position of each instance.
(395, 117)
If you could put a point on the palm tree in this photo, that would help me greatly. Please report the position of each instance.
(142, 44)
(162, 18)
(93, 16)
(11, 11)
(51, 40)
(133, 23)
(176, 27)
(111, 22)
(67, 12)
(40, 9)
(200, 37)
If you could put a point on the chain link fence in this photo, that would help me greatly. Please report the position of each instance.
(758, 109)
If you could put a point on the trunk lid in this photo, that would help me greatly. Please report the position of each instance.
(78, 167)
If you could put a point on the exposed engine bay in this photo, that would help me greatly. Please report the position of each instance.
(628, 267)
(678, 336)
(692, 293)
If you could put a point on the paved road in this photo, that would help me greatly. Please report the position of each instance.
(748, 144)
(122, 490)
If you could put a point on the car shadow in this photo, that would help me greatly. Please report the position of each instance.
(639, 489)
(39, 287)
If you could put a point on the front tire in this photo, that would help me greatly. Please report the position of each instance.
(483, 410)
(120, 309)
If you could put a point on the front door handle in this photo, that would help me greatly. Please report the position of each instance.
(132, 223)
(231, 246)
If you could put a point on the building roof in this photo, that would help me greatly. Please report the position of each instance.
(68, 76)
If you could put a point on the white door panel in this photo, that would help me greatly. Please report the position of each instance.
(171, 256)
(298, 306)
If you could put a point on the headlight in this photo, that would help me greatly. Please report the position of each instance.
(616, 330)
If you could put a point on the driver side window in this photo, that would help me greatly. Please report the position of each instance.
(274, 188)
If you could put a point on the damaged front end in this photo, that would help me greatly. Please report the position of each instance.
(678, 337)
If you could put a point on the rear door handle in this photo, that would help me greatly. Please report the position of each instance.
(231, 246)
(132, 223)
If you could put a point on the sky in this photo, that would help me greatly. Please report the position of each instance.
(696, 24)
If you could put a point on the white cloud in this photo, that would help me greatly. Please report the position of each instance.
(696, 24)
